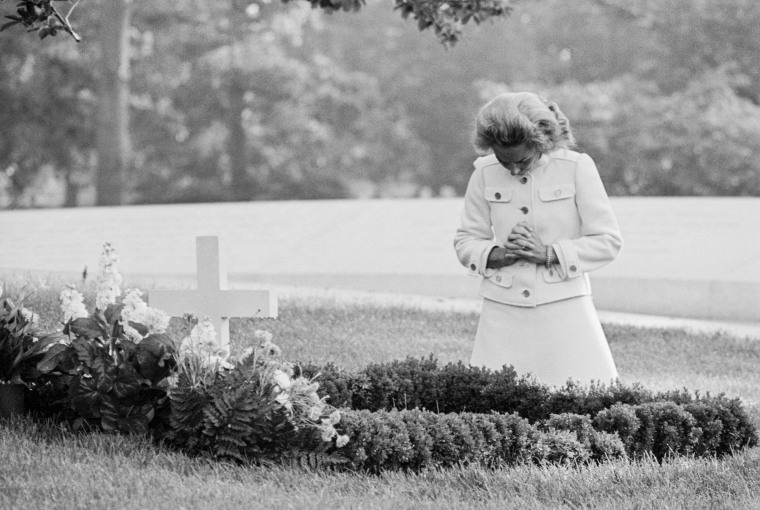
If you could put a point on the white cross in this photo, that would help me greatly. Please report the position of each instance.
(212, 299)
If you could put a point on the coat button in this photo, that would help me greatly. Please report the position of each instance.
(558, 193)
(473, 267)
(524, 210)
(523, 180)
(498, 278)
(526, 293)
(498, 196)
(573, 269)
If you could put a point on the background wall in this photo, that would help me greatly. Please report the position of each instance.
(685, 257)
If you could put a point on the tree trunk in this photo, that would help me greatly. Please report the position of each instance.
(72, 190)
(237, 147)
(236, 141)
(112, 139)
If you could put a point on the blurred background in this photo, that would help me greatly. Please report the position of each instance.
(181, 101)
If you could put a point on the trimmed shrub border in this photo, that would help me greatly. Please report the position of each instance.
(412, 413)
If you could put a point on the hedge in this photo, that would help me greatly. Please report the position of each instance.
(657, 423)
(416, 439)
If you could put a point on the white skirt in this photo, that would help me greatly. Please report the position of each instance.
(553, 342)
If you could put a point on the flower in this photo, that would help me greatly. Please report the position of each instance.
(327, 432)
(72, 304)
(341, 441)
(202, 343)
(109, 279)
(137, 310)
(315, 412)
(335, 417)
(282, 379)
(263, 336)
(29, 316)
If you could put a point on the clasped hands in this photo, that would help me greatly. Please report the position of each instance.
(522, 243)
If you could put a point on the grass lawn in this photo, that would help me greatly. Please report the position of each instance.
(45, 467)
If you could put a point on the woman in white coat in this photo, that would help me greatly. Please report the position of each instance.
(536, 219)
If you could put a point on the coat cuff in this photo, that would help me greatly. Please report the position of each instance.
(476, 266)
(567, 259)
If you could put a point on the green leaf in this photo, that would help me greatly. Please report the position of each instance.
(142, 329)
(87, 327)
(44, 342)
(127, 382)
(9, 24)
(113, 312)
(53, 357)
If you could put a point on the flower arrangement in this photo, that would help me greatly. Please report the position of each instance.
(20, 347)
(117, 369)
(247, 405)
(115, 360)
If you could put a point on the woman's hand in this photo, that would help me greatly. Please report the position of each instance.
(525, 244)
(501, 257)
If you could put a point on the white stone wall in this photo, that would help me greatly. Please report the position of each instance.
(687, 257)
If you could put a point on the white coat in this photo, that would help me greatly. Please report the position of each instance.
(564, 199)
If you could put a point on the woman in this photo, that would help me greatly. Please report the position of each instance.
(536, 219)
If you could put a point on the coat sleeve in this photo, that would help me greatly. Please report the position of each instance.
(600, 242)
(474, 239)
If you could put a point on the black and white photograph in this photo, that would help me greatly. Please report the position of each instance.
(379, 254)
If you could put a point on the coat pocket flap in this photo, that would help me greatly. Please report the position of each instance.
(502, 279)
(556, 192)
(498, 194)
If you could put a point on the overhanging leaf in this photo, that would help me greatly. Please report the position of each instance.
(87, 327)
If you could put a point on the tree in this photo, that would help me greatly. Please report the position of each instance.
(114, 146)
(47, 118)
(699, 141)
(446, 19)
(700, 36)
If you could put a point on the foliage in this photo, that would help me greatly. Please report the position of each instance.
(113, 362)
(417, 439)
(114, 383)
(251, 409)
(251, 405)
(20, 348)
(697, 141)
(445, 17)
(646, 422)
(41, 16)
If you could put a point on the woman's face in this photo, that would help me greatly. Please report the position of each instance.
(518, 159)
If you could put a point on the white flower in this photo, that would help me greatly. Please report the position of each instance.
(72, 304)
(131, 332)
(247, 353)
(315, 412)
(109, 280)
(284, 400)
(29, 315)
(341, 441)
(270, 349)
(202, 343)
(335, 417)
(328, 432)
(156, 321)
(137, 310)
(264, 337)
(281, 379)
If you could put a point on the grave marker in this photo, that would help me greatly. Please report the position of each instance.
(212, 299)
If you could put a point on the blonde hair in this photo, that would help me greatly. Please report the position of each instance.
(521, 117)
